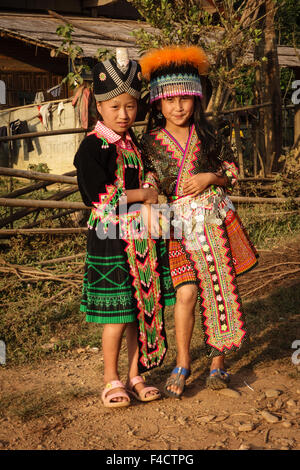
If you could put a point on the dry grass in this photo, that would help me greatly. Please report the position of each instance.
(41, 402)
(271, 323)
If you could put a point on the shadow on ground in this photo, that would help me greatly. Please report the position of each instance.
(272, 325)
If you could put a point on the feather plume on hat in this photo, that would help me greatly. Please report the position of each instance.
(174, 71)
(174, 56)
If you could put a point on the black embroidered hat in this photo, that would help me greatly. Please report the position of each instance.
(113, 77)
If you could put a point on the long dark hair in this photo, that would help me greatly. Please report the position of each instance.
(205, 131)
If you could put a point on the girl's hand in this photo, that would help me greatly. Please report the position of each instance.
(150, 196)
(198, 183)
(151, 220)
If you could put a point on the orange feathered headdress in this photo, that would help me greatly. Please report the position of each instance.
(174, 56)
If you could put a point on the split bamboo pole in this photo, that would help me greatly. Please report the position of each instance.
(4, 233)
(37, 175)
(41, 203)
(32, 135)
(22, 213)
(136, 124)
(33, 187)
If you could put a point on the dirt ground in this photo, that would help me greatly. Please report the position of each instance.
(56, 404)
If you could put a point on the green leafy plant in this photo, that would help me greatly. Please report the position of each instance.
(103, 54)
(287, 22)
(40, 167)
(75, 53)
(228, 35)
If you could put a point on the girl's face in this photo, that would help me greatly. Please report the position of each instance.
(177, 109)
(118, 113)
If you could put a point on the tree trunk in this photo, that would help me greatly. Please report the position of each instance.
(238, 143)
(268, 90)
(272, 115)
(254, 135)
(297, 114)
(259, 142)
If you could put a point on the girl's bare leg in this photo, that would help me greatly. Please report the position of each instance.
(217, 380)
(186, 299)
(217, 363)
(111, 344)
(133, 354)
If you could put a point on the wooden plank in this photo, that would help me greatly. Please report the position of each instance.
(262, 200)
(24, 212)
(96, 3)
(114, 36)
(31, 135)
(11, 64)
(33, 187)
(37, 175)
(4, 233)
(40, 203)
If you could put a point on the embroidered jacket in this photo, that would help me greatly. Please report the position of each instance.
(107, 165)
(101, 171)
(208, 235)
(169, 165)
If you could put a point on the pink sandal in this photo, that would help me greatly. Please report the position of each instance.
(141, 396)
(107, 399)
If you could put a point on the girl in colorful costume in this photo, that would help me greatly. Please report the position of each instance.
(194, 167)
(124, 287)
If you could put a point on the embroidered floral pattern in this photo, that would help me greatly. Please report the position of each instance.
(205, 256)
(151, 180)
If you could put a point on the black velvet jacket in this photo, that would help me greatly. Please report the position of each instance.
(96, 168)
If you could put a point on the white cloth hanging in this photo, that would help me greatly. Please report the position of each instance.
(60, 109)
(2, 92)
(45, 113)
(39, 97)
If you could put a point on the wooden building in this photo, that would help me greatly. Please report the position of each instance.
(28, 39)
(95, 8)
(28, 64)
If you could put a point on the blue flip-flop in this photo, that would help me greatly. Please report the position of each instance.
(177, 381)
(217, 379)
